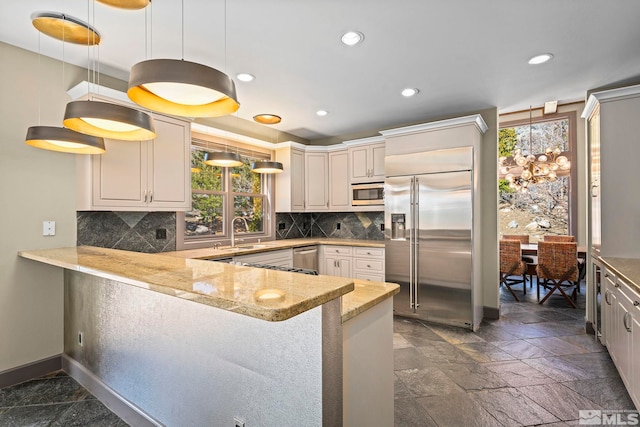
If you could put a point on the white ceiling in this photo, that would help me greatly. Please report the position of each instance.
(463, 55)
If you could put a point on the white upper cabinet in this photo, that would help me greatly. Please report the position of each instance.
(317, 181)
(339, 181)
(152, 175)
(290, 184)
(366, 160)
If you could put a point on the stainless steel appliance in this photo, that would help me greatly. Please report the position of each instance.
(370, 194)
(306, 258)
(428, 234)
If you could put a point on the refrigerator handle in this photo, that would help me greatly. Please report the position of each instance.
(416, 244)
(411, 253)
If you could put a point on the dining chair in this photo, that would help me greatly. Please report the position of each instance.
(558, 269)
(511, 264)
(581, 261)
(530, 260)
(559, 239)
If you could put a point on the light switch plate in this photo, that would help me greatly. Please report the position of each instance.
(48, 228)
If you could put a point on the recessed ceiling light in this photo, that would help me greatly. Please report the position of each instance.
(245, 77)
(267, 119)
(540, 59)
(409, 92)
(351, 38)
(322, 113)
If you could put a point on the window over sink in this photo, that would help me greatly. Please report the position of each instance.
(220, 194)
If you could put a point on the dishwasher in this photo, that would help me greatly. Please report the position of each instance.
(306, 257)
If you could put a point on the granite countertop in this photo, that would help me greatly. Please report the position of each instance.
(225, 286)
(221, 285)
(628, 269)
(272, 245)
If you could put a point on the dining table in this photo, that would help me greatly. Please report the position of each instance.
(532, 249)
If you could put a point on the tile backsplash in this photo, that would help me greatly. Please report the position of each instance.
(132, 231)
(136, 231)
(339, 225)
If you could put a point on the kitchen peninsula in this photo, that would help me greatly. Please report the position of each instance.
(192, 342)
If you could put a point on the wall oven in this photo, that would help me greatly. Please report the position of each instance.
(369, 194)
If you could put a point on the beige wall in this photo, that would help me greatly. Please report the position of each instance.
(35, 185)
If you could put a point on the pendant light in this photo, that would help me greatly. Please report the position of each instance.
(61, 139)
(182, 88)
(64, 27)
(266, 167)
(224, 159)
(126, 4)
(106, 119)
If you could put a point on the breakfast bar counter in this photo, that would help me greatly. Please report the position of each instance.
(179, 341)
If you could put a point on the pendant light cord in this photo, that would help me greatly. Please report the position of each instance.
(182, 30)
(39, 78)
(225, 36)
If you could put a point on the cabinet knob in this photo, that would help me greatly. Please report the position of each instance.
(368, 253)
(368, 266)
(616, 285)
(636, 303)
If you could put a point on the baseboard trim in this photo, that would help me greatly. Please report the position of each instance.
(30, 371)
(491, 313)
(130, 413)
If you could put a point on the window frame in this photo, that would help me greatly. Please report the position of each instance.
(571, 154)
(212, 144)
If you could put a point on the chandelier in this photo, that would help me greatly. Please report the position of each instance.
(525, 169)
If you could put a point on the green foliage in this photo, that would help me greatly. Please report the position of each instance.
(507, 140)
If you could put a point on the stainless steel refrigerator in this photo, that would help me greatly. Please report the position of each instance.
(428, 234)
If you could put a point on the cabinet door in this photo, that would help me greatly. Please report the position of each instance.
(634, 390)
(297, 180)
(344, 267)
(119, 176)
(377, 162)
(359, 164)
(330, 266)
(621, 347)
(169, 165)
(607, 307)
(317, 183)
(338, 180)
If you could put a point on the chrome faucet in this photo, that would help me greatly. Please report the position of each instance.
(233, 240)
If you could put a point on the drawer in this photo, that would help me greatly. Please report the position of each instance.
(337, 250)
(369, 252)
(371, 277)
(372, 265)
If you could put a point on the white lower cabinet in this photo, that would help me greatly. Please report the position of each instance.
(337, 261)
(368, 264)
(279, 258)
(364, 263)
(621, 323)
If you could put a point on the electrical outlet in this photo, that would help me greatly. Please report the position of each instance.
(381, 227)
(237, 422)
(282, 226)
(48, 228)
(338, 226)
(81, 339)
(161, 233)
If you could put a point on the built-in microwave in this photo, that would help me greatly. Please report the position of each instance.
(369, 194)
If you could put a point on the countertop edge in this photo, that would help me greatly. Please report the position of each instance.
(272, 314)
(271, 245)
(390, 289)
(622, 271)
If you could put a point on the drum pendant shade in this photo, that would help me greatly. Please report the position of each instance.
(63, 140)
(109, 121)
(182, 88)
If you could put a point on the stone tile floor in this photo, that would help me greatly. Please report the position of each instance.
(533, 366)
(55, 400)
